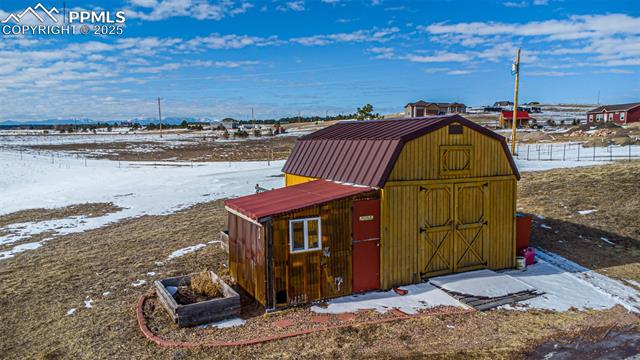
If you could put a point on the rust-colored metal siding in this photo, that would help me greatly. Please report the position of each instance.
(365, 152)
(247, 256)
(313, 275)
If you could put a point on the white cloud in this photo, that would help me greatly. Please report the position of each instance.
(229, 41)
(459, 72)
(144, 3)
(292, 5)
(551, 73)
(374, 35)
(516, 4)
(197, 9)
(438, 57)
(576, 27)
(540, 2)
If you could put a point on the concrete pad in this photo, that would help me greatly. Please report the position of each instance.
(481, 283)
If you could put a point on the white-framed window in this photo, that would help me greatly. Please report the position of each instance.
(590, 117)
(305, 234)
(599, 117)
(610, 116)
(622, 116)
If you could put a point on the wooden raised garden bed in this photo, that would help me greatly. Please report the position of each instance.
(201, 312)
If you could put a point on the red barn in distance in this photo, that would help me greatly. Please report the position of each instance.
(506, 119)
(619, 113)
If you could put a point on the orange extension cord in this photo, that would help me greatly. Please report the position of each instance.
(212, 343)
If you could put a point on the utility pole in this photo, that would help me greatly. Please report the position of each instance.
(598, 97)
(160, 116)
(516, 69)
(253, 120)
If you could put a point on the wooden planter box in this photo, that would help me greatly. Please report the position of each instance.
(198, 313)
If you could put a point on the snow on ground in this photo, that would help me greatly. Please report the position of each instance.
(224, 323)
(587, 212)
(140, 188)
(138, 283)
(568, 285)
(185, 251)
(420, 296)
(483, 283)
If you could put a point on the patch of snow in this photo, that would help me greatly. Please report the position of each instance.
(545, 226)
(151, 273)
(36, 182)
(607, 240)
(482, 283)
(633, 282)
(106, 293)
(88, 303)
(138, 283)
(20, 248)
(587, 212)
(184, 251)
(567, 284)
(71, 311)
(420, 296)
(228, 323)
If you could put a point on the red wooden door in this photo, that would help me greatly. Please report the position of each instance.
(366, 245)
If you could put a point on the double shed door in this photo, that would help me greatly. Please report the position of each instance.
(453, 231)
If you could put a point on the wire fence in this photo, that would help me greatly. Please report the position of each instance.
(576, 152)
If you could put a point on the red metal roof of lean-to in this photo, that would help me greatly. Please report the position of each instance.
(523, 115)
(291, 198)
(364, 152)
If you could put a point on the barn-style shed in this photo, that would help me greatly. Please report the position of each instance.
(440, 197)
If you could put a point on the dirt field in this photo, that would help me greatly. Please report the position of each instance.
(39, 287)
(196, 149)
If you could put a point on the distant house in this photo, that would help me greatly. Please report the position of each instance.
(502, 103)
(620, 113)
(229, 123)
(422, 108)
(505, 119)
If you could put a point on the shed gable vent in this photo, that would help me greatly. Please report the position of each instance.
(455, 129)
(455, 160)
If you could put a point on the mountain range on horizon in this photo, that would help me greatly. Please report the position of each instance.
(141, 121)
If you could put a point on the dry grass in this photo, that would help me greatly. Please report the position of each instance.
(266, 148)
(39, 287)
(203, 284)
(34, 215)
(612, 190)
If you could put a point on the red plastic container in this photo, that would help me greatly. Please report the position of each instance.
(529, 255)
(523, 232)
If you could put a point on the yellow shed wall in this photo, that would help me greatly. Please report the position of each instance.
(420, 158)
(291, 179)
(417, 168)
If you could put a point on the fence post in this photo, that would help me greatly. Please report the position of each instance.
(538, 147)
(551, 152)
(579, 146)
(610, 153)
(528, 151)
(594, 151)
(629, 151)
(564, 152)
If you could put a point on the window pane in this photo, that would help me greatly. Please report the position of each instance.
(313, 231)
(297, 235)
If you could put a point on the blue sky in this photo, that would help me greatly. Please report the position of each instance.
(210, 58)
